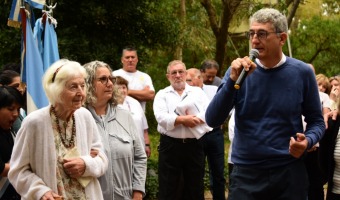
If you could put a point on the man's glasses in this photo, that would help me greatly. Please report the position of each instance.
(174, 73)
(261, 35)
(105, 79)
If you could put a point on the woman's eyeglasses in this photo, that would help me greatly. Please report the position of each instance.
(105, 79)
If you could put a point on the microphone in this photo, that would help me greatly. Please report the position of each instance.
(254, 53)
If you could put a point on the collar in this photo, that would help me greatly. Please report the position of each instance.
(283, 60)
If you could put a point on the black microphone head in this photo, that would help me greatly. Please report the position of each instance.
(254, 53)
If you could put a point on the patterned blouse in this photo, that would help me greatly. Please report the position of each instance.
(68, 187)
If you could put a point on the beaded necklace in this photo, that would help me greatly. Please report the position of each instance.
(70, 143)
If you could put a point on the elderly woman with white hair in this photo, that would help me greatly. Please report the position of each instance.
(125, 178)
(58, 153)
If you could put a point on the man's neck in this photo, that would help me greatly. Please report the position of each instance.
(130, 70)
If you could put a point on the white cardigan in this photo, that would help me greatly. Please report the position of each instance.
(33, 161)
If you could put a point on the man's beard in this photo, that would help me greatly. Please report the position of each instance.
(178, 85)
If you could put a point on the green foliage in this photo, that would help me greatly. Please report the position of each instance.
(151, 185)
(331, 7)
(10, 38)
(316, 41)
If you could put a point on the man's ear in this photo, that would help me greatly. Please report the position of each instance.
(283, 37)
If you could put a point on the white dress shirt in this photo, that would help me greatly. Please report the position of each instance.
(165, 103)
(210, 90)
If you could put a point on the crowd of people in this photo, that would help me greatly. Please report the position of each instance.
(92, 140)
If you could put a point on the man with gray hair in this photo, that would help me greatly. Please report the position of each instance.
(269, 140)
(181, 156)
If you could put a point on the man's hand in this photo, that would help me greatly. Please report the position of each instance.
(298, 147)
(188, 121)
(237, 66)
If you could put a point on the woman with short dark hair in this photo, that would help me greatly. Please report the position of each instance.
(12, 78)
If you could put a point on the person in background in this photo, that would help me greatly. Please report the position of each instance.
(329, 157)
(181, 154)
(140, 83)
(269, 139)
(315, 175)
(231, 134)
(323, 83)
(58, 152)
(125, 178)
(334, 94)
(12, 66)
(213, 141)
(10, 102)
(136, 110)
(209, 69)
(12, 78)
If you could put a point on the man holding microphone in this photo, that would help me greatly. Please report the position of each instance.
(269, 141)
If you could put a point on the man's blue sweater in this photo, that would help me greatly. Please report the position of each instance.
(268, 109)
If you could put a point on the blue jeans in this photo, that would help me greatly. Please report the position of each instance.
(213, 143)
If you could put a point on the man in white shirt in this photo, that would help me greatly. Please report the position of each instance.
(140, 83)
(213, 141)
(181, 154)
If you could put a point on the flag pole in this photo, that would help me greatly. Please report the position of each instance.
(23, 21)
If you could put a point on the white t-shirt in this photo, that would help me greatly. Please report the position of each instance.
(166, 102)
(137, 81)
(137, 113)
(325, 100)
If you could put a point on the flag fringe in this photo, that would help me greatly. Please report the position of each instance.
(14, 24)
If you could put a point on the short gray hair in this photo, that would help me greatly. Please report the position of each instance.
(56, 76)
(174, 62)
(278, 20)
(91, 69)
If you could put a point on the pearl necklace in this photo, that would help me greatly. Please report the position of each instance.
(70, 143)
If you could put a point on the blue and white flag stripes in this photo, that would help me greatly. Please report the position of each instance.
(36, 97)
(14, 18)
(36, 3)
(47, 43)
(50, 52)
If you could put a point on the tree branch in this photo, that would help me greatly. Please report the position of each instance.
(212, 16)
(292, 12)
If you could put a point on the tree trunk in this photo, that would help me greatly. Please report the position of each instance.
(182, 16)
(220, 30)
(292, 12)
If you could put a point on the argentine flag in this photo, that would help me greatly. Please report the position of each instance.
(14, 18)
(34, 69)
